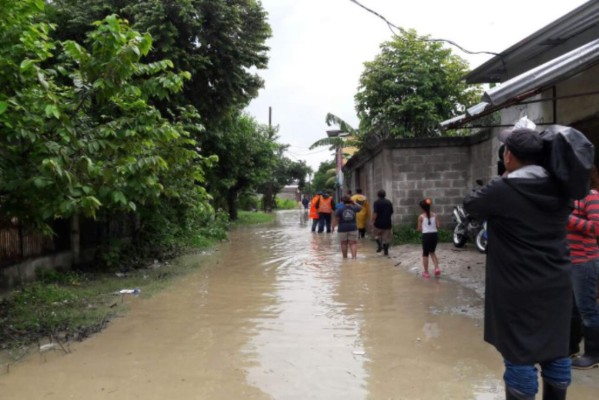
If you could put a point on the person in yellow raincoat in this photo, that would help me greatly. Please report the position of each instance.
(363, 216)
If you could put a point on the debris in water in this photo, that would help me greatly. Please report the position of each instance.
(358, 352)
(48, 347)
(134, 292)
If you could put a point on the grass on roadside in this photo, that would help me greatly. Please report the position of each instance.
(254, 217)
(407, 234)
(71, 306)
(285, 204)
(67, 306)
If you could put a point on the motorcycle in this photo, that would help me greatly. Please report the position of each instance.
(467, 228)
(482, 239)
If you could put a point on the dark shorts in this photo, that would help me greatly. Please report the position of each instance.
(429, 243)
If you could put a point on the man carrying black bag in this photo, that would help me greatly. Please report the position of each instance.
(528, 296)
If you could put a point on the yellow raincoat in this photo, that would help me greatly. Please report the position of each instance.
(363, 216)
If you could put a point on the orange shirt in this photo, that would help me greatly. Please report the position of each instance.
(326, 205)
(313, 211)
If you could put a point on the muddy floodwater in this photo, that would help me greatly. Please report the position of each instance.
(276, 313)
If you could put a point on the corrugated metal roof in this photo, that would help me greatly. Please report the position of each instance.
(531, 82)
(546, 75)
(569, 32)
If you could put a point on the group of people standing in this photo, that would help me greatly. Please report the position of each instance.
(352, 217)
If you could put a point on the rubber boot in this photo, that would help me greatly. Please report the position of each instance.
(513, 394)
(386, 249)
(575, 335)
(590, 358)
(553, 392)
(380, 246)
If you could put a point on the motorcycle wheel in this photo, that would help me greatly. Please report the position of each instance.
(481, 241)
(459, 236)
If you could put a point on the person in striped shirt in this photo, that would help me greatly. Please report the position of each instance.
(583, 230)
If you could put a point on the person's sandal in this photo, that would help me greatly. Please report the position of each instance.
(426, 275)
(437, 272)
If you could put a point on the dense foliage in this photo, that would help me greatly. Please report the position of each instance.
(78, 133)
(410, 87)
(324, 177)
(219, 42)
(103, 117)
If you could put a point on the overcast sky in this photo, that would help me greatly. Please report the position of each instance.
(319, 47)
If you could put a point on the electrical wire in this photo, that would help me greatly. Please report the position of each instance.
(404, 32)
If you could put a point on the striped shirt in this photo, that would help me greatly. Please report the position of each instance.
(583, 229)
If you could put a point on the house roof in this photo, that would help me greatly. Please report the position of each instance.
(578, 27)
(531, 83)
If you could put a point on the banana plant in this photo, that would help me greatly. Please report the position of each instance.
(352, 139)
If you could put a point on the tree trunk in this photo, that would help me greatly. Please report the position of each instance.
(267, 199)
(232, 203)
(75, 241)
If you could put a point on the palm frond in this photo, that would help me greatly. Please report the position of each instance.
(332, 119)
(332, 142)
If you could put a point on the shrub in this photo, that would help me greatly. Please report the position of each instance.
(407, 234)
(285, 204)
(249, 202)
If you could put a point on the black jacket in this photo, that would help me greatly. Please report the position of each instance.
(528, 295)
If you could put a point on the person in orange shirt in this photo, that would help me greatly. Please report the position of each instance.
(314, 210)
(325, 209)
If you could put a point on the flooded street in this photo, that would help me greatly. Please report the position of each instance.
(276, 313)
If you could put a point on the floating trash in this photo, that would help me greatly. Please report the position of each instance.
(134, 292)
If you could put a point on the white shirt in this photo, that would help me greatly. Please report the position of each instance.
(429, 228)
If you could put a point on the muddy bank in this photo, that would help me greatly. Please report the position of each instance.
(465, 266)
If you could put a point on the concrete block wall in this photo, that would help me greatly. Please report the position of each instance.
(440, 173)
(444, 169)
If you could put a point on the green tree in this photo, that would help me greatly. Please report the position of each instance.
(77, 132)
(324, 177)
(248, 155)
(285, 171)
(410, 87)
(219, 42)
(298, 171)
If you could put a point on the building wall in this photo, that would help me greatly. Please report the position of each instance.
(578, 111)
(444, 169)
(574, 109)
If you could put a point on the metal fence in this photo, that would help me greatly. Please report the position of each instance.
(18, 244)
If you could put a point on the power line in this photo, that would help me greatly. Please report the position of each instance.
(403, 31)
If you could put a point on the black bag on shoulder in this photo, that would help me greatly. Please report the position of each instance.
(569, 157)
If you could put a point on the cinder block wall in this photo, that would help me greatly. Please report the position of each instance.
(444, 169)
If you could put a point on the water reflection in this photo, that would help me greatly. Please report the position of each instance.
(310, 350)
(361, 329)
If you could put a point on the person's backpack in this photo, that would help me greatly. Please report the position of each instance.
(348, 214)
(569, 157)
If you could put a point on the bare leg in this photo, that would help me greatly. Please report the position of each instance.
(436, 263)
(344, 249)
(425, 266)
(435, 260)
(354, 249)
